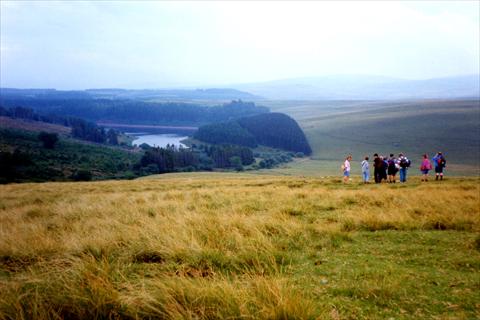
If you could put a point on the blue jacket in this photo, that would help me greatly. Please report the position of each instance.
(438, 157)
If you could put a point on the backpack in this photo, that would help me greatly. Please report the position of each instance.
(405, 163)
(391, 164)
(441, 162)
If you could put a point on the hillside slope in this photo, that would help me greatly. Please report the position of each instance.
(30, 125)
(23, 158)
(216, 246)
(337, 128)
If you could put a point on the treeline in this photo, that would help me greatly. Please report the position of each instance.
(225, 156)
(168, 159)
(80, 128)
(204, 158)
(275, 130)
(142, 94)
(135, 111)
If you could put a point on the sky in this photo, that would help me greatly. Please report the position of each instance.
(161, 44)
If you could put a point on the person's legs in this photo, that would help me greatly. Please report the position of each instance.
(346, 175)
(440, 172)
(402, 174)
(425, 175)
(365, 177)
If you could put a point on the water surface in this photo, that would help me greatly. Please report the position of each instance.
(159, 140)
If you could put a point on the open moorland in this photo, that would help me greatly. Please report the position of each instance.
(415, 127)
(217, 246)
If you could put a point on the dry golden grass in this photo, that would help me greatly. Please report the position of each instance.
(228, 246)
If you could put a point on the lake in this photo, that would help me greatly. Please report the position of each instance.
(153, 135)
(158, 140)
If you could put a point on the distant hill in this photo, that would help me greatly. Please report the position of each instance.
(359, 87)
(221, 94)
(173, 94)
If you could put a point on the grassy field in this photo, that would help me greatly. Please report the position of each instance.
(198, 246)
(337, 128)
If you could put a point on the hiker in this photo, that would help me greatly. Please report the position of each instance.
(377, 168)
(346, 168)
(404, 163)
(439, 162)
(384, 168)
(365, 170)
(425, 167)
(392, 168)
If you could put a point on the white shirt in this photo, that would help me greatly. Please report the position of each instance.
(364, 166)
(347, 165)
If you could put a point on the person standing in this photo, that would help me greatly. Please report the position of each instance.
(439, 162)
(384, 168)
(404, 163)
(346, 168)
(377, 168)
(425, 167)
(365, 170)
(392, 168)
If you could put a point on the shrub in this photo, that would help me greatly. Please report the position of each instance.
(82, 175)
(48, 139)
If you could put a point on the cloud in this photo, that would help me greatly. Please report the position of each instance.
(155, 44)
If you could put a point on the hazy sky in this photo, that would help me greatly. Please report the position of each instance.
(135, 44)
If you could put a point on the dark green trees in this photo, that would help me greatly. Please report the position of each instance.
(226, 132)
(48, 139)
(275, 130)
(224, 156)
(133, 111)
(169, 159)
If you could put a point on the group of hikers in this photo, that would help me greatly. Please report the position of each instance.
(386, 168)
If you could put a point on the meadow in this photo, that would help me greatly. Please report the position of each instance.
(414, 127)
(217, 246)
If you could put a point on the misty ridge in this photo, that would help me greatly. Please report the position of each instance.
(358, 87)
(335, 87)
